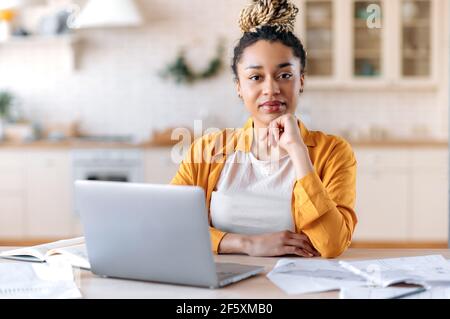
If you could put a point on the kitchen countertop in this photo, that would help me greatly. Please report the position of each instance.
(400, 143)
(76, 144)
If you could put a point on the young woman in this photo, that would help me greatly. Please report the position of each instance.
(273, 187)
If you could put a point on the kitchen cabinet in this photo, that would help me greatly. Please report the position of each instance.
(35, 195)
(36, 191)
(12, 216)
(368, 38)
(429, 211)
(381, 214)
(319, 37)
(416, 44)
(402, 195)
(159, 165)
(12, 194)
(48, 194)
(388, 44)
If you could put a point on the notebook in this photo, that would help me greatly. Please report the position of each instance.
(74, 251)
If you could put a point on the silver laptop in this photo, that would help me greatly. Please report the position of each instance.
(153, 233)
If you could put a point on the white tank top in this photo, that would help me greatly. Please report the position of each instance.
(253, 196)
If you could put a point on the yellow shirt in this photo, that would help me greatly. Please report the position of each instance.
(322, 202)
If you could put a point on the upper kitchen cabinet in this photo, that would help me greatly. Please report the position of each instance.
(416, 38)
(367, 39)
(319, 37)
(386, 44)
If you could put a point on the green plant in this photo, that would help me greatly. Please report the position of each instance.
(183, 73)
(6, 99)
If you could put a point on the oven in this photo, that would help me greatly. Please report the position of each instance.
(116, 165)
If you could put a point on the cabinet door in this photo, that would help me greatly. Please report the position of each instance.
(416, 42)
(382, 190)
(430, 206)
(430, 196)
(160, 168)
(12, 176)
(49, 191)
(367, 38)
(319, 23)
(381, 206)
(12, 217)
(12, 195)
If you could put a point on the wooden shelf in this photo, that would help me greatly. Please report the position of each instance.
(319, 25)
(362, 24)
(416, 54)
(416, 23)
(367, 54)
(320, 54)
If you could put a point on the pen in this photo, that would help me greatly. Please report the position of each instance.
(357, 271)
(410, 293)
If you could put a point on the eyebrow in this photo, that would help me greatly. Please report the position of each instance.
(279, 66)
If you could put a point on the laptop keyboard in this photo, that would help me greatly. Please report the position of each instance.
(227, 270)
(226, 274)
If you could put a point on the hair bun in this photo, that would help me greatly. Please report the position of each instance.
(276, 13)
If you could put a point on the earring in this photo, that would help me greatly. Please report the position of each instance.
(301, 90)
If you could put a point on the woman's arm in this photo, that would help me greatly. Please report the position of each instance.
(323, 208)
(272, 244)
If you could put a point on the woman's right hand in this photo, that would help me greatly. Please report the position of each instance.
(279, 243)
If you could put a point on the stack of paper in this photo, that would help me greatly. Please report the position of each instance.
(296, 276)
(54, 279)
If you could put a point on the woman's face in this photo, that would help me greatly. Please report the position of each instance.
(269, 81)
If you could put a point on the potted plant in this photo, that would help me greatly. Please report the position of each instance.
(6, 99)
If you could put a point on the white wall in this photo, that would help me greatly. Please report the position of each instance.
(116, 90)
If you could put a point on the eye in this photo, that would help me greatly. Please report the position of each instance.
(285, 75)
(255, 78)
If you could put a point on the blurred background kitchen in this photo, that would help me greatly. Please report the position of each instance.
(92, 89)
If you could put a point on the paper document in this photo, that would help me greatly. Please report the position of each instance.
(74, 250)
(431, 269)
(20, 280)
(391, 292)
(297, 275)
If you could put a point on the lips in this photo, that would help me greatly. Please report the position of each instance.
(271, 103)
(272, 107)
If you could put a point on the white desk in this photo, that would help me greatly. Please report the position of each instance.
(92, 286)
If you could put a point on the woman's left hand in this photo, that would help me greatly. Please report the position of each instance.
(284, 131)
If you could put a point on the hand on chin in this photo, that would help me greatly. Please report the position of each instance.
(267, 118)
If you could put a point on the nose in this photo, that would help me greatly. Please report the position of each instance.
(271, 87)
